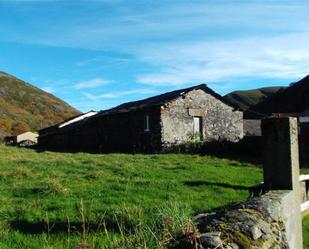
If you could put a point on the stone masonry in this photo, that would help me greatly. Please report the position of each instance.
(219, 121)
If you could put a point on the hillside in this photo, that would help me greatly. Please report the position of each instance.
(24, 107)
(248, 98)
(293, 99)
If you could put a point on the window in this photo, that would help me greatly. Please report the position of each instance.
(197, 129)
(146, 123)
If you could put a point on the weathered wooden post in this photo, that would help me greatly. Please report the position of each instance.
(281, 171)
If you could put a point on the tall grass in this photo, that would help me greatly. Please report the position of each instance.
(306, 232)
(62, 200)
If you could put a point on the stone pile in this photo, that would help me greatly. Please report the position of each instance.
(256, 224)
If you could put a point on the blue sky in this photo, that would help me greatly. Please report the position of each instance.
(98, 54)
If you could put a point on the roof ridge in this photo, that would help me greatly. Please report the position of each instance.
(161, 99)
(156, 96)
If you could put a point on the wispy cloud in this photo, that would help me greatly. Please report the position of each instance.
(93, 83)
(87, 62)
(255, 39)
(100, 96)
(127, 28)
(105, 60)
(281, 57)
(49, 89)
(162, 44)
(114, 95)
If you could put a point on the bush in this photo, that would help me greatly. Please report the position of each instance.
(248, 147)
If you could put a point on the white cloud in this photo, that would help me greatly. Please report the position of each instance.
(281, 57)
(114, 95)
(87, 62)
(193, 42)
(97, 82)
(128, 27)
(101, 96)
(48, 89)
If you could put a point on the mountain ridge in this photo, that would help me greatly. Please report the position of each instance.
(25, 107)
(244, 99)
(293, 99)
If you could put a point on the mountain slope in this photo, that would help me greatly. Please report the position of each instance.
(293, 99)
(24, 107)
(248, 98)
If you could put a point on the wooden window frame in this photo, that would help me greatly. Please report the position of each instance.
(146, 123)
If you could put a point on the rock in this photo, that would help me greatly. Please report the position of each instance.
(255, 233)
(267, 204)
(248, 221)
(231, 246)
(202, 217)
(208, 219)
(211, 240)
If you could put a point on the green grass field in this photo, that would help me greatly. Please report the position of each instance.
(306, 232)
(58, 200)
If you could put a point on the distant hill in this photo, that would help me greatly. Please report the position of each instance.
(293, 99)
(248, 98)
(24, 107)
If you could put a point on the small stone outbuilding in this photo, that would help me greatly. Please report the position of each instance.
(153, 124)
(26, 138)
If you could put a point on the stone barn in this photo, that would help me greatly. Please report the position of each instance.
(153, 124)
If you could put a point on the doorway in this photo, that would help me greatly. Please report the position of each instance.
(197, 129)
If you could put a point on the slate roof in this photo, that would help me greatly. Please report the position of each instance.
(158, 100)
(162, 99)
(57, 126)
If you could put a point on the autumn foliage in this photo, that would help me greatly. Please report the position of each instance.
(24, 107)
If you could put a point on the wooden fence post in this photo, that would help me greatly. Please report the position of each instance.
(281, 170)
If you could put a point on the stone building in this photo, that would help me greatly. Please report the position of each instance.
(153, 124)
(27, 138)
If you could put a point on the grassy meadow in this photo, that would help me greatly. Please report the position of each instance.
(306, 232)
(58, 200)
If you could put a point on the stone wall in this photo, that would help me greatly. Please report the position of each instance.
(252, 127)
(265, 222)
(220, 121)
